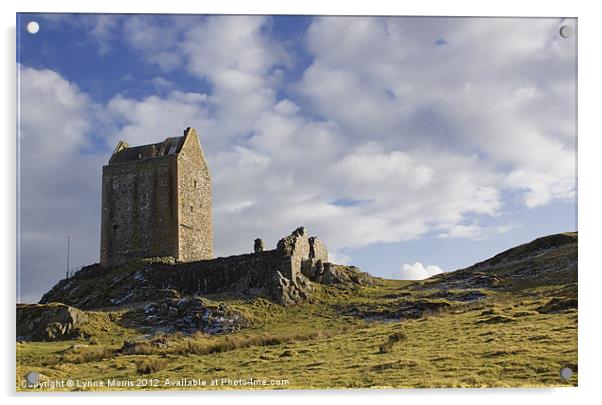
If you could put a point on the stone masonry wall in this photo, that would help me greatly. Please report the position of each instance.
(295, 246)
(156, 204)
(317, 249)
(242, 274)
(194, 195)
(305, 252)
(139, 210)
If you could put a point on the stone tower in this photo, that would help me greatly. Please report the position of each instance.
(156, 201)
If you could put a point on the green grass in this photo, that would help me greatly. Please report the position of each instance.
(502, 340)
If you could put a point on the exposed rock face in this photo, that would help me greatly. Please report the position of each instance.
(289, 292)
(462, 279)
(190, 314)
(48, 322)
(54, 322)
(330, 273)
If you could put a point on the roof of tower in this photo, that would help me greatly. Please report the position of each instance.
(170, 146)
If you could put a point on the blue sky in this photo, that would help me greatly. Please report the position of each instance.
(409, 145)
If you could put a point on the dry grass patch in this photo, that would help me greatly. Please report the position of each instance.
(392, 340)
(150, 365)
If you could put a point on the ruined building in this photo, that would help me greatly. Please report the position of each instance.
(156, 204)
(156, 201)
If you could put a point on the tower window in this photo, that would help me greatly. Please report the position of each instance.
(191, 208)
(115, 227)
(195, 184)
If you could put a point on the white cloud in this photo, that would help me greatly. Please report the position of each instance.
(235, 54)
(156, 40)
(154, 118)
(59, 179)
(416, 271)
(238, 58)
(472, 231)
(51, 130)
(500, 89)
(339, 258)
(234, 44)
(389, 167)
(541, 187)
(161, 83)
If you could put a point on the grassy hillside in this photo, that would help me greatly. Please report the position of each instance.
(510, 321)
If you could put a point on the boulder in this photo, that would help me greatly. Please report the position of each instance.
(48, 322)
(330, 273)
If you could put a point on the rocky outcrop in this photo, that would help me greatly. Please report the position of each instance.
(55, 321)
(461, 280)
(48, 322)
(188, 315)
(330, 273)
(289, 292)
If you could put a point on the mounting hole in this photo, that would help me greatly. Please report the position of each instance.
(32, 377)
(566, 31)
(566, 373)
(33, 27)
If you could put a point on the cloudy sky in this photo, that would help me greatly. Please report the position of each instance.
(411, 146)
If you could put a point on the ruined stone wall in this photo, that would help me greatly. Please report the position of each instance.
(317, 249)
(139, 210)
(304, 251)
(254, 273)
(194, 196)
(296, 247)
(283, 274)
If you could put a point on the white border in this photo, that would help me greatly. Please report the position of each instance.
(590, 226)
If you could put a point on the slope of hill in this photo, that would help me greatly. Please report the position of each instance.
(550, 260)
(508, 321)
